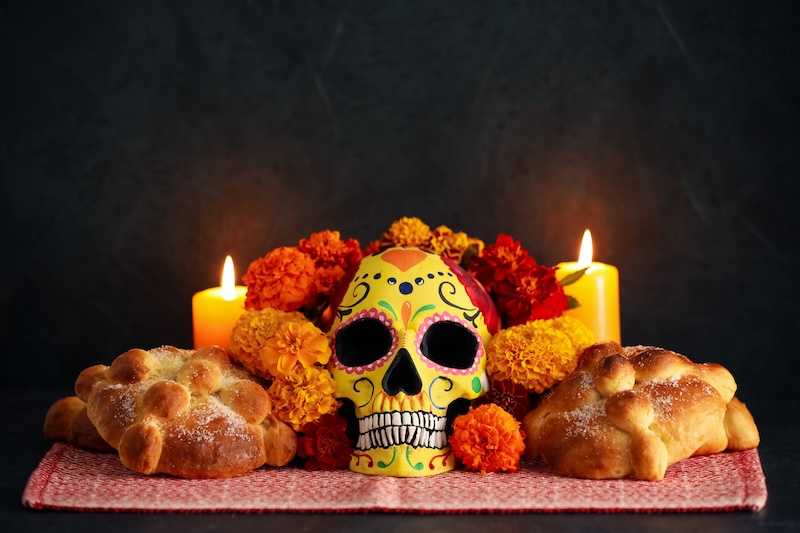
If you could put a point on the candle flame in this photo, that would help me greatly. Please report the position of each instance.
(585, 255)
(228, 281)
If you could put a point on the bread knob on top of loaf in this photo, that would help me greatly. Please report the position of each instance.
(632, 412)
(186, 413)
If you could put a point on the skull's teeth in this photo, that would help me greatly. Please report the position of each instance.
(418, 429)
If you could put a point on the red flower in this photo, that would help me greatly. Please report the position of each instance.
(531, 295)
(545, 293)
(501, 260)
(512, 397)
(324, 444)
(522, 289)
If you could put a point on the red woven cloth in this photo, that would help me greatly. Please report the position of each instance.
(69, 478)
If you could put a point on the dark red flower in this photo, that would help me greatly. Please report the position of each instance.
(512, 397)
(531, 295)
(522, 289)
(324, 444)
(547, 297)
(501, 260)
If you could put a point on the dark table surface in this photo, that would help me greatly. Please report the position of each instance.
(25, 446)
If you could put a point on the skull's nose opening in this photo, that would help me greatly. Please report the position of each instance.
(348, 411)
(402, 376)
(456, 408)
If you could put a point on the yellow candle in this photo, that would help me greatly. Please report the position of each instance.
(596, 292)
(215, 310)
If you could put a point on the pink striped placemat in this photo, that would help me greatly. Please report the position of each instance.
(71, 479)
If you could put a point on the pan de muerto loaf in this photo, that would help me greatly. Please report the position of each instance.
(186, 413)
(632, 412)
(67, 421)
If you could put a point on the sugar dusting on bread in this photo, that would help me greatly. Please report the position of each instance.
(630, 351)
(668, 394)
(584, 421)
(125, 412)
(170, 360)
(662, 394)
(634, 415)
(211, 420)
(171, 415)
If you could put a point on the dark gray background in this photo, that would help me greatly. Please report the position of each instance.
(143, 141)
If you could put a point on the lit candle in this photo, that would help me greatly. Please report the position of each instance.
(215, 310)
(594, 288)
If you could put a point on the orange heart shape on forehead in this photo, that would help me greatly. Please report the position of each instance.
(404, 258)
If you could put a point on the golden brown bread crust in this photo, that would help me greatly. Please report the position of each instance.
(185, 413)
(632, 412)
(66, 421)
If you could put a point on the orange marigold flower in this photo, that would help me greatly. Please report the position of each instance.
(252, 331)
(448, 243)
(328, 278)
(328, 248)
(303, 396)
(538, 354)
(488, 439)
(333, 257)
(408, 231)
(283, 279)
(293, 344)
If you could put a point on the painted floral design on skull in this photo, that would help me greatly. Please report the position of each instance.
(409, 348)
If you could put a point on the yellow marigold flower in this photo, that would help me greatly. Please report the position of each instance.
(537, 354)
(477, 244)
(445, 241)
(303, 396)
(408, 231)
(252, 331)
(579, 335)
(293, 344)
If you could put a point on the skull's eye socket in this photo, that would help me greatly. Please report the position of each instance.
(362, 342)
(449, 344)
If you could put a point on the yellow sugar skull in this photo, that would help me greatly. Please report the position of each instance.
(409, 341)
